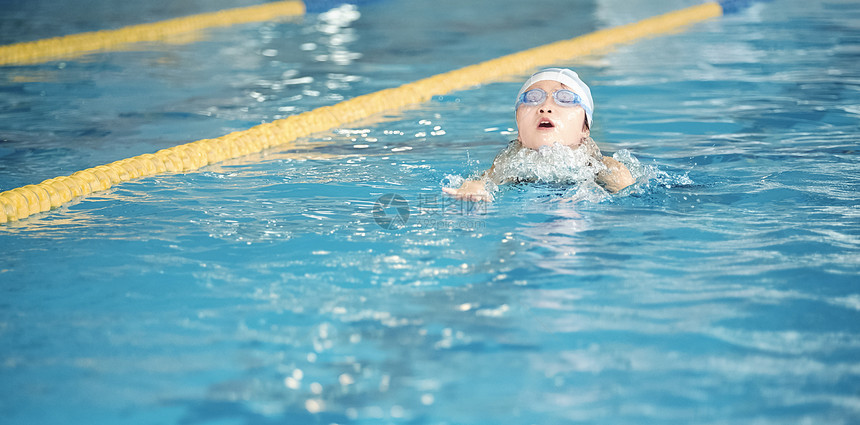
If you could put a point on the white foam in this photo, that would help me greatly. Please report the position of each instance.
(549, 164)
(650, 173)
(562, 165)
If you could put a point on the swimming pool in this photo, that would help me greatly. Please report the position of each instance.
(275, 288)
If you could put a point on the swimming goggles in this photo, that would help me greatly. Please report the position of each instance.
(536, 97)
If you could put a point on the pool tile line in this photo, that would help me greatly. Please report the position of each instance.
(28, 200)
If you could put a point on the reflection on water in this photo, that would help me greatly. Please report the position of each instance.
(557, 238)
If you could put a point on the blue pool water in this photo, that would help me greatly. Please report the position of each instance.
(721, 289)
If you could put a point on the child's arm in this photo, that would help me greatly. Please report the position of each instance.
(615, 177)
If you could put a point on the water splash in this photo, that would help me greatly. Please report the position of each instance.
(553, 165)
(646, 175)
(574, 168)
(549, 164)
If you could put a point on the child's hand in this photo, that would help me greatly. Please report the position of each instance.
(471, 190)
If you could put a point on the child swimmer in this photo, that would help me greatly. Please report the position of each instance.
(553, 111)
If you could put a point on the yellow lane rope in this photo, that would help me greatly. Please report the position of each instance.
(99, 41)
(24, 201)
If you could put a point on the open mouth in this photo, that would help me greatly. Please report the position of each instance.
(545, 124)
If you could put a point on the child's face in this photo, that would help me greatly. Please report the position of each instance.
(545, 124)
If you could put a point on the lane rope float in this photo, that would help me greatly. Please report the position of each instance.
(24, 201)
(100, 41)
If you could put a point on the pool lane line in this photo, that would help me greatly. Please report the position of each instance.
(33, 52)
(24, 201)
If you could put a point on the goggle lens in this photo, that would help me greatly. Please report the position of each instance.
(535, 97)
(566, 98)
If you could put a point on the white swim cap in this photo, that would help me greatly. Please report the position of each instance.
(568, 78)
